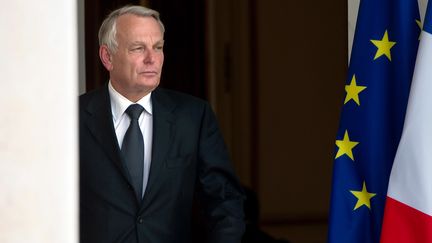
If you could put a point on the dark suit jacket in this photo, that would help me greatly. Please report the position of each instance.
(189, 159)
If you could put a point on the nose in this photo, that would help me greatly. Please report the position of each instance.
(149, 57)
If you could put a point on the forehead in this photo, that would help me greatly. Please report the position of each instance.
(132, 25)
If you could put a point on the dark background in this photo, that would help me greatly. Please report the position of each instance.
(274, 72)
(184, 66)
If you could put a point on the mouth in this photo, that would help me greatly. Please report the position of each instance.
(149, 73)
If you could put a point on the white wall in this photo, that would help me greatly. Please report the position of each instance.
(38, 121)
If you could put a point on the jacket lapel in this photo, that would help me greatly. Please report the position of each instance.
(100, 124)
(163, 119)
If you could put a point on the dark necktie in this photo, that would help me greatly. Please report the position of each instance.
(133, 148)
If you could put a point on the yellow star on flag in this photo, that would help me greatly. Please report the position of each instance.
(353, 91)
(363, 197)
(384, 46)
(420, 25)
(345, 146)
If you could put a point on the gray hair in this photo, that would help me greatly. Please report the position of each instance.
(108, 29)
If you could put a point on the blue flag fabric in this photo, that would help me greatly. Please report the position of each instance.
(428, 19)
(377, 88)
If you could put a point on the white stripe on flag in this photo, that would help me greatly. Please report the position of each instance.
(411, 176)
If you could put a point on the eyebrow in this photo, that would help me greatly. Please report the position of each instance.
(143, 43)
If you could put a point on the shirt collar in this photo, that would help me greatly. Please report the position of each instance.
(119, 103)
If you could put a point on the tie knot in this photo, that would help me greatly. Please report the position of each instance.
(134, 111)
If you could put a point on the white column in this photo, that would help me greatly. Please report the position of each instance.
(422, 6)
(353, 6)
(38, 122)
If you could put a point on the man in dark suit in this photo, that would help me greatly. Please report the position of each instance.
(174, 137)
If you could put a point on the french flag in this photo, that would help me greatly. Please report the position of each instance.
(408, 209)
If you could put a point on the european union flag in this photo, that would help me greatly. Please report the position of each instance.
(377, 88)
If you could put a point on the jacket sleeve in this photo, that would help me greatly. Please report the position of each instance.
(219, 190)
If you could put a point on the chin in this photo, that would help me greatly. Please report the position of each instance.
(148, 86)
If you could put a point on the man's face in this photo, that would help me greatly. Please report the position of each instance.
(136, 67)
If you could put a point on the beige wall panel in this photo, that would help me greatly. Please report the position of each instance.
(229, 59)
(38, 122)
(302, 51)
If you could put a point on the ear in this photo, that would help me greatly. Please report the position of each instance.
(105, 57)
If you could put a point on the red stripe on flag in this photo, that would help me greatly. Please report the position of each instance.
(403, 223)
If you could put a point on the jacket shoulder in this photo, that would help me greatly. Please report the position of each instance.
(94, 99)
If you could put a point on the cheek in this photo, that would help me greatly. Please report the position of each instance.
(133, 66)
(121, 65)
(161, 59)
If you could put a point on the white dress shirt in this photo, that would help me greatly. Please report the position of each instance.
(121, 123)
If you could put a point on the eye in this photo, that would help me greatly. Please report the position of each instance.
(159, 48)
(137, 49)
